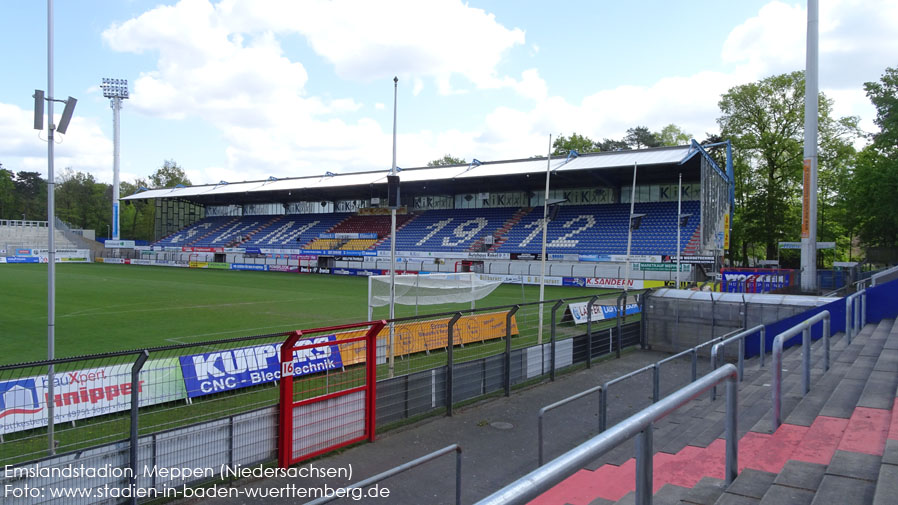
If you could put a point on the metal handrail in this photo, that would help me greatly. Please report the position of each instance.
(346, 491)
(559, 403)
(640, 425)
(852, 324)
(720, 346)
(777, 354)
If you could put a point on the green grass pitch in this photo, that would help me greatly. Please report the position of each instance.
(101, 308)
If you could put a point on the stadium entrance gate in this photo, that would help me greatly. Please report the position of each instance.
(327, 390)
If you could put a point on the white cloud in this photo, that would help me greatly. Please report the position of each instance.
(366, 40)
(224, 64)
(83, 148)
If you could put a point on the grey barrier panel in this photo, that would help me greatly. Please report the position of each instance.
(402, 468)
(492, 380)
(528, 487)
(804, 328)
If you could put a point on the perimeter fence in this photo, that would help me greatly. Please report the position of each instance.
(150, 421)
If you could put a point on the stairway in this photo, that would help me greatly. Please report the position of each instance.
(249, 235)
(501, 234)
(692, 247)
(837, 445)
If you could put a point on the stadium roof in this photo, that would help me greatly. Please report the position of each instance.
(592, 169)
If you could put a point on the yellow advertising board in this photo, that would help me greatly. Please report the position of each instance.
(419, 336)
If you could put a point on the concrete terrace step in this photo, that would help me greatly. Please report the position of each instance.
(813, 458)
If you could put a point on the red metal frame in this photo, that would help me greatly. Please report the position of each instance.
(285, 408)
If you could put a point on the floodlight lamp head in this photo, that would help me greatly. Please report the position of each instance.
(475, 162)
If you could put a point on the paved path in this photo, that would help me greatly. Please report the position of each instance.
(498, 438)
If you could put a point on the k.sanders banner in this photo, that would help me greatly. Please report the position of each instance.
(212, 372)
(86, 393)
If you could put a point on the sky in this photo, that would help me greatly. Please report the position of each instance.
(236, 90)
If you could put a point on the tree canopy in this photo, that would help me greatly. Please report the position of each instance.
(447, 159)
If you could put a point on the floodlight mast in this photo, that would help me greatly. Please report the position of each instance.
(809, 203)
(115, 90)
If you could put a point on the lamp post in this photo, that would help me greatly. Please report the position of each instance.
(393, 232)
(630, 229)
(115, 90)
(542, 273)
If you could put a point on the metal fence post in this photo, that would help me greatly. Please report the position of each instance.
(589, 305)
(450, 362)
(656, 382)
(508, 348)
(763, 344)
(732, 431)
(742, 358)
(826, 335)
(621, 314)
(603, 407)
(806, 360)
(558, 304)
(694, 364)
(643, 338)
(135, 403)
(644, 466)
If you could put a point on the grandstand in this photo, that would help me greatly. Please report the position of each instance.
(336, 221)
(30, 235)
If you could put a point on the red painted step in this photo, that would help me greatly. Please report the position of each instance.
(821, 441)
(867, 431)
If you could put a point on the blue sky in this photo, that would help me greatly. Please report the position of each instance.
(239, 90)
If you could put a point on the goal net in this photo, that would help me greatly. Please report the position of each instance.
(428, 289)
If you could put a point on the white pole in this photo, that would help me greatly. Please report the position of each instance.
(393, 234)
(679, 223)
(51, 228)
(116, 142)
(542, 273)
(630, 229)
(809, 207)
(370, 306)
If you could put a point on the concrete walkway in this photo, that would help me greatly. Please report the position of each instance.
(498, 438)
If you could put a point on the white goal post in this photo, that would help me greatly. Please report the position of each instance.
(429, 289)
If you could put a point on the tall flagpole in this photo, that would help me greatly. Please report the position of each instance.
(393, 234)
(542, 274)
(809, 204)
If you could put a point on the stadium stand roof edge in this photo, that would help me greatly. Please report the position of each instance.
(603, 162)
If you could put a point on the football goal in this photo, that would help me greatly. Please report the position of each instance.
(428, 289)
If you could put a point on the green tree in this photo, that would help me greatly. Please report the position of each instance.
(582, 144)
(640, 137)
(7, 194)
(765, 121)
(169, 175)
(32, 196)
(447, 159)
(607, 145)
(872, 206)
(82, 201)
(672, 135)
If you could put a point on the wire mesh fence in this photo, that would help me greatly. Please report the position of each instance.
(205, 405)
